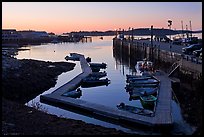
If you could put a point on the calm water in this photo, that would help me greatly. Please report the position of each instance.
(111, 95)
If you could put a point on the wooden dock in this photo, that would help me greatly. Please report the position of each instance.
(162, 111)
(75, 82)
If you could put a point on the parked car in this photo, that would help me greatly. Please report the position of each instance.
(197, 52)
(177, 41)
(200, 56)
(191, 48)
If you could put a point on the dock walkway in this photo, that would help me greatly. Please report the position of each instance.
(162, 111)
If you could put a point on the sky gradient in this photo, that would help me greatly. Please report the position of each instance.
(59, 17)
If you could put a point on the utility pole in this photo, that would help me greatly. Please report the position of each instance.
(132, 34)
(169, 25)
(182, 28)
(151, 30)
(187, 34)
(191, 29)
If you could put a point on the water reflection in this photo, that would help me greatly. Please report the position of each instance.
(99, 50)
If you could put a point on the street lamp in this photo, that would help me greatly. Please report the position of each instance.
(169, 25)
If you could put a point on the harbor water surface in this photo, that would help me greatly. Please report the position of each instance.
(111, 95)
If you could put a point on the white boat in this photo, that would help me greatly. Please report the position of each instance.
(144, 65)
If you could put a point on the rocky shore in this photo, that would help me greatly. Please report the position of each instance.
(23, 80)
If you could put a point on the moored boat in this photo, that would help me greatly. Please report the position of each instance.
(100, 65)
(74, 93)
(95, 69)
(73, 56)
(135, 78)
(98, 74)
(96, 82)
(148, 100)
(135, 93)
(144, 65)
(133, 85)
(135, 110)
(144, 81)
(88, 59)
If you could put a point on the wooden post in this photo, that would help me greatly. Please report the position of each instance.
(151, 49)
(132, 35)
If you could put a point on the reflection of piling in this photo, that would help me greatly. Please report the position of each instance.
(86, 39)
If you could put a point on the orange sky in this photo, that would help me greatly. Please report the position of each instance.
(62, 17)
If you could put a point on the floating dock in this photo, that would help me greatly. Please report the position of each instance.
(162, 117)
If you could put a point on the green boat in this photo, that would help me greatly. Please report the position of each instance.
(149, 99)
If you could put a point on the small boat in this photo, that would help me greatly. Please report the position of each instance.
(143, 84)
(73, 56)
(135, 110)
(95, 69)
(138, 78)
(148, 100)
(144, 81)
(101, 38)
(135, 76)
(100, 65)
(74, 93)
(98, 74)
(137, 92)
(90, 78)
(96, 82)
(88, 59)
(144, 65)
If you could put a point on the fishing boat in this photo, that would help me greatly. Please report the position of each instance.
(135, 110)
(148, 100)
(100, 65)
(144, 65)
(96, 82)
(74, 93)
(98, 74)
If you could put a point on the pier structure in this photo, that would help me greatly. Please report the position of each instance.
(162, 116)
(157, 51)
